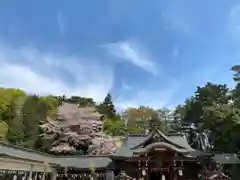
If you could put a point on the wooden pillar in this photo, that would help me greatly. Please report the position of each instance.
(30, 172)
(174, 169)
(54, 174)
(139, 169)
(147, 170)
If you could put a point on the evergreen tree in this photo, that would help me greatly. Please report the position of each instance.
(107, 107)
(15, 131)
(33, 112)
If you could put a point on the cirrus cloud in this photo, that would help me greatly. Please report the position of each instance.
(47, 73)
(130, 52)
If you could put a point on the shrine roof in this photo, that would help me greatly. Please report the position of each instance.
(83, 162)
(179, 140)
(131, 141)
(123, 152)
(226, 158)
(143, 143)
(22, 153)
(175, 139)
(134, 140)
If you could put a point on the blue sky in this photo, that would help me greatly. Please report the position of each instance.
(150, 53)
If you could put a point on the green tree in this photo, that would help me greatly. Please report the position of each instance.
(205, 96)
(236, 70)
(51, 104)
(114, 126)
(236, 90)
(5, 100)
(156, 123)
(3, 130)
(81, 101)
(33, 112)
(211, 109)
(107, 108)
(223, 120)
(140, 119)
(15, 133)
(12, 116)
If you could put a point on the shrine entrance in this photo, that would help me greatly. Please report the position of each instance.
(154, 175)
(158, 157)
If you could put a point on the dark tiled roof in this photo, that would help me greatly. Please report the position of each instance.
(225, 158)
(198, 153)
(22, 153)
(143, 143)
(63, 161)
(179, 140)
(123, 152)
(134, 141)
(131, 142)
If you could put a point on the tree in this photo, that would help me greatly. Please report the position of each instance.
(236, 90)
(107, 107)
(4, 102)
(166, 119)
(3, 130)
(236, 70)
(51, 104)
(211, 109)
(193, 109)
(140, 119)
(156, 123)
(15, 131)
(223, 121)
(33, 112)
(81, 101)
(114, 126)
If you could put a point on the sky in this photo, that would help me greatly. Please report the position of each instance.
(153, 53)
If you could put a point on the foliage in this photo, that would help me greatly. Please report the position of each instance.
(146, 118)
(137, 119)
(15, 132)
(236, 70)
(215, 108)
(3, 130)
(107, 108)
(114, 126)
(81, 101)
(224, 123)
(51, 104)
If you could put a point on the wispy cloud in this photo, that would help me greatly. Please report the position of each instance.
(60, 22)
(126, 86)
(130, 52)
(47, 73)
(156, 98)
